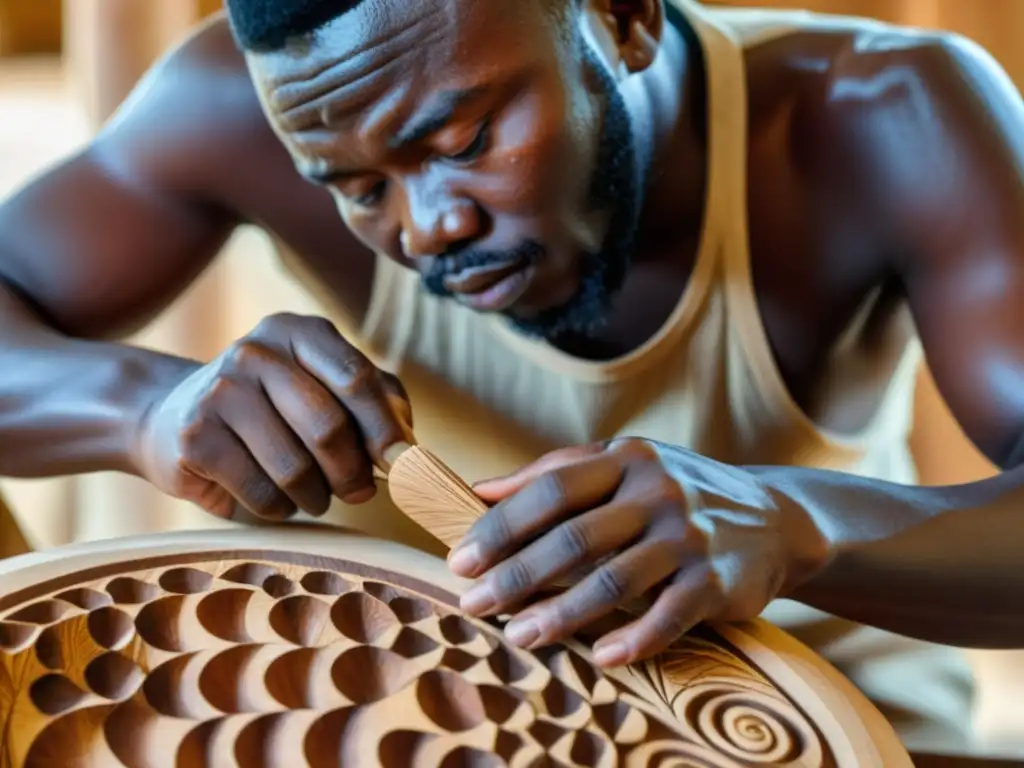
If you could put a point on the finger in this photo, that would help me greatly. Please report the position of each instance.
(356, 382)
(276, 448)
(621, 579)
(325, 428)
(580, 540)
(509, 525)
(398, 397)
(220, 457)
(681, 606)
(493, 491)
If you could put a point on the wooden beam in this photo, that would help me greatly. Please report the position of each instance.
(30, 27)
(109, 45)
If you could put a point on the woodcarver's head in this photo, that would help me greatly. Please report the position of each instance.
(491, 145)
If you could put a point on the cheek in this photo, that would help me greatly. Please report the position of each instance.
(541, 166)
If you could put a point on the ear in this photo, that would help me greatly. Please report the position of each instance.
(627, 32)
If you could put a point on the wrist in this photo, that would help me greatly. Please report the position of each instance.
(808, 549)
(141, 380)
(849, 514)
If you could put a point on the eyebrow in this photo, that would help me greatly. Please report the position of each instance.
(433, 118)
(324, 176)
(429, 120)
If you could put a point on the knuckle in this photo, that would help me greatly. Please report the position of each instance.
(221, 394)
(690, 537)
(194, 448)
(265, 499)
(223, 388)
(210, 497)
(712, 583)
(295, 473)
(330, 429)
(244, 354)
(681, 539)
(271, 326)
(549, 489)
(393, 383)
(556, 622)
(635, 450)
(495, 531)
(611, 584)
(669, 490)
(667, 627)
(358, 375)
(321, 324)
(573, 541)
(513, 579)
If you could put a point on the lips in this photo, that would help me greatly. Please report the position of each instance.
(479, 279)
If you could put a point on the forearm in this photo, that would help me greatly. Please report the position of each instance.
(941, 564)
(69, 406)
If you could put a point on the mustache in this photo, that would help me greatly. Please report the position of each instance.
(527, 253)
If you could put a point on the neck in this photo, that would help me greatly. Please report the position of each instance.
(669, 108)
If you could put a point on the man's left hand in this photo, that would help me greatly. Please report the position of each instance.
(701, 539)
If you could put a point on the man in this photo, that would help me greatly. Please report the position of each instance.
(694, 250)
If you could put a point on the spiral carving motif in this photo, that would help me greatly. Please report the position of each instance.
(752, 726)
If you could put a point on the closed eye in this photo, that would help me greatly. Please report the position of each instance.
(372, 197)
(475, 148)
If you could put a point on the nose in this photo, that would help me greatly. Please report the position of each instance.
(436, 223)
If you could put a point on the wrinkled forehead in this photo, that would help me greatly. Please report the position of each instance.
(385, 46)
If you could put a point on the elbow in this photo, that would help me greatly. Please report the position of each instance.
(19, 312)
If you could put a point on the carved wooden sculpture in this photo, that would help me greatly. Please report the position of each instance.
(313, 647)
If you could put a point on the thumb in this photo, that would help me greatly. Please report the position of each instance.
(493, 491)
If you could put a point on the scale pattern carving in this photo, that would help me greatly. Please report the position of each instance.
(259, 662)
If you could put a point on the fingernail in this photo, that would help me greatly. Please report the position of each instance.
(392, 452)
(479, 600)
(465, 560)
(361, 497)
(522, 632)
(613, 655)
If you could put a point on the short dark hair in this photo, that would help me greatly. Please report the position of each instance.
(261, 26)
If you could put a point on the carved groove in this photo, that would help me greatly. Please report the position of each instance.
(265, 664)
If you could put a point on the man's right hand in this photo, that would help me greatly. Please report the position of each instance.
(285, 419)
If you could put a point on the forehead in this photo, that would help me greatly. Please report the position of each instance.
(388, 51)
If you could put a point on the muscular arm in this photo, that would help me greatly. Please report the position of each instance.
(91, 250)
(938, 134)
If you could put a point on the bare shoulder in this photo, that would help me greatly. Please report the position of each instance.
(881, 68)
(929, 123)
(898, 117)
(914, 105)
